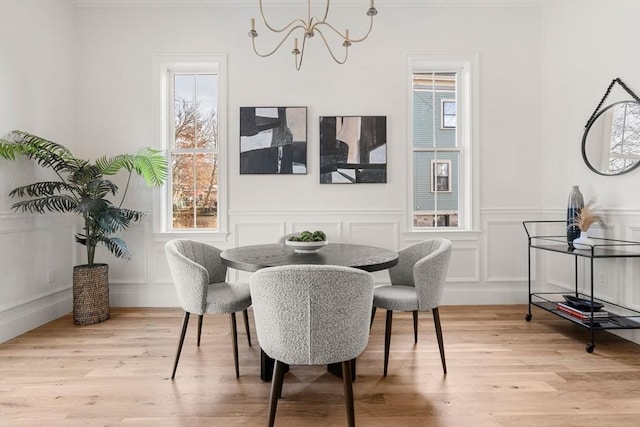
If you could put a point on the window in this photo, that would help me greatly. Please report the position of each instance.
(440, 175)
(448, 114)
(440, 149)
(191, 135)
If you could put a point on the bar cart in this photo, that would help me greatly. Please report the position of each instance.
(618, 317)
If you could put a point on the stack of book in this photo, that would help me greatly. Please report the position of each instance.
(585, 316)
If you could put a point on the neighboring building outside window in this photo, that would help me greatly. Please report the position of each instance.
(191, 137)
(441, 192)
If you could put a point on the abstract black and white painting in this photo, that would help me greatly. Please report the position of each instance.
(353, 149)
(273, 140)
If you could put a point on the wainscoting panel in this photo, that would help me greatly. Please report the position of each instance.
(488, 265)
(132, 271)
(257, 232)
(36, 260)
(464, 266)
(381, 234)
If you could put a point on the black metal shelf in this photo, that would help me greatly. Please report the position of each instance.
(620, 317)
(629, 320)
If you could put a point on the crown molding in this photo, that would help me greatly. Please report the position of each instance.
(336, 3)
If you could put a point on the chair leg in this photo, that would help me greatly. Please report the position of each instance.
(185, 322)
(436, 321)
(415, 326)
(348, 391)
(387, 340)
(276, 390)
(373, 314)
(245, 315)
(234, 338)
(200, 318)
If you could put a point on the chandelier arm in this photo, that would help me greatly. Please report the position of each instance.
(326, 10)
(279, 30)
(264, 55)
(366, 35)
(299, 63)
(346, 49)
(343, 35)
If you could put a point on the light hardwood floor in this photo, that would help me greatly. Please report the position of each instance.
(502, 371)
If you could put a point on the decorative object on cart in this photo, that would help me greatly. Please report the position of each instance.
(582, 304)
(273, 140)
(576, 202)
(308, 28)
(611, 140)
(353, 149)
(82, 188)
(584, 220)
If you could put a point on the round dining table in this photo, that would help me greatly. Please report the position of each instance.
(255, 257)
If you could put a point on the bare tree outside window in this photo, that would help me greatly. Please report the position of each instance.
(194, 158)
(625, 137)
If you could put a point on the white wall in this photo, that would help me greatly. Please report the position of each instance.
(584, 49)
(37, 74)
(518, 130)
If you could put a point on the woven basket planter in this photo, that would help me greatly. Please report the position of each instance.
(90, 294)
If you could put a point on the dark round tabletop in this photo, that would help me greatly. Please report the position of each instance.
(253, 258)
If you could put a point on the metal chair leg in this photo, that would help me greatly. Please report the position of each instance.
(276, 390)
(185, 322)
(245, 315)
(415, 326)
(436, 321)
(373, 314)
(348, 391)
(200, 318)
(234, 338)
(387, 340)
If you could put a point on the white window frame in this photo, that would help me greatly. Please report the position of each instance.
(467, 102)
(163, 65)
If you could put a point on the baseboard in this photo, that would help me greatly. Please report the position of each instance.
(25, 317)
(143, 295)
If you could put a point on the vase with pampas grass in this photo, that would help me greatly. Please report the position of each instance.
(584, 220)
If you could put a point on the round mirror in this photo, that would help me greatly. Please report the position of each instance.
(611, 142)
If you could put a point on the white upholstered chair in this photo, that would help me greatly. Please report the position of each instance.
(417, 282)
(200, 281)
(312, 315)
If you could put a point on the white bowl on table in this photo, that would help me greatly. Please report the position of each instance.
(306, 247)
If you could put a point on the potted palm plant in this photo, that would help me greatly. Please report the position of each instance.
(82, 188)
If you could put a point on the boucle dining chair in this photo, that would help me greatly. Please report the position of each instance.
(417, 282)
(312, 315)
(200, 281)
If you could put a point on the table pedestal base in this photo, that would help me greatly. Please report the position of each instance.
(267, 364)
